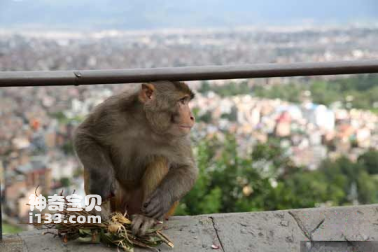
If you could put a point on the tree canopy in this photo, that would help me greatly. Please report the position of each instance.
(267, 179)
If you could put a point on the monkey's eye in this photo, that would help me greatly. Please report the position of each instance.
(183, 100)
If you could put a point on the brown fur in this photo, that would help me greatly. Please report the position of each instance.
(132, 146)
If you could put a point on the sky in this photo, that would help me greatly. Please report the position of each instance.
(160, 14)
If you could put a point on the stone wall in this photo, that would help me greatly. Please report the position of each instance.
(336, 229)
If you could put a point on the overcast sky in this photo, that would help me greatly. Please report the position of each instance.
(147, 14)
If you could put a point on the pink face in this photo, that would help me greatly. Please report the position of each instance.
(185, 119)
(177, 122)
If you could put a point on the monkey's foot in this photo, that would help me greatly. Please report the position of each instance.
(140, 224)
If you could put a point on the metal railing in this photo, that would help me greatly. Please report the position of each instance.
(1, 217)
(91, 77)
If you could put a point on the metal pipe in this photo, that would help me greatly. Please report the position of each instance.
(90, 77)
(1, 217)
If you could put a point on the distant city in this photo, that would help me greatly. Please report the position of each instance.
(37, 122)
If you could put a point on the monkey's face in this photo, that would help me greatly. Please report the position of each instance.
(182, 119)
(167, 108)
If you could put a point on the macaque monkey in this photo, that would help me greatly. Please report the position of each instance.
(136, 151)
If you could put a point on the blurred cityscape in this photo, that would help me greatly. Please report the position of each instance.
(37, 122)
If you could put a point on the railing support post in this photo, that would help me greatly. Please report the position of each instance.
(1, 217)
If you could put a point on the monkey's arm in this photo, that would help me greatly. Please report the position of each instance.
(179, 180)
(97, 164)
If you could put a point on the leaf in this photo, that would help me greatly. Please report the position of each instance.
(106, 238)
(85, 231)
(87, 240)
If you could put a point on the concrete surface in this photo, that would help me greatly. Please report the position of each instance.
(291, 230)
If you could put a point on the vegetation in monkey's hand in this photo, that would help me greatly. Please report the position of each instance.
(116, 231)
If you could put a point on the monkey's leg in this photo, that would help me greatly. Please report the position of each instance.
(123, 201)
(127, 199)
(154, 174)
(152, 177)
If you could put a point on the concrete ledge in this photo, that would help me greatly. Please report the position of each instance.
(256, 231)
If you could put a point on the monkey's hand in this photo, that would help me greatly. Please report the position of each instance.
(157, 204)
(140, 224)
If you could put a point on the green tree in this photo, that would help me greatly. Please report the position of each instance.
(267, 179)
(65, 182)
(362, 90)
(369, 160)
(202, 198)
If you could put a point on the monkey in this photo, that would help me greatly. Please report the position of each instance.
(136, 151)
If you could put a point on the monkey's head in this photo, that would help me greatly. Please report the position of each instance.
(166, 105)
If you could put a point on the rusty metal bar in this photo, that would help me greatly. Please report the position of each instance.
(90, 77)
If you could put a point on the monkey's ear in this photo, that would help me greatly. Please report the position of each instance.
(146, 92)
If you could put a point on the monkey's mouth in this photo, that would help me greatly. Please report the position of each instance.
(185, 127)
